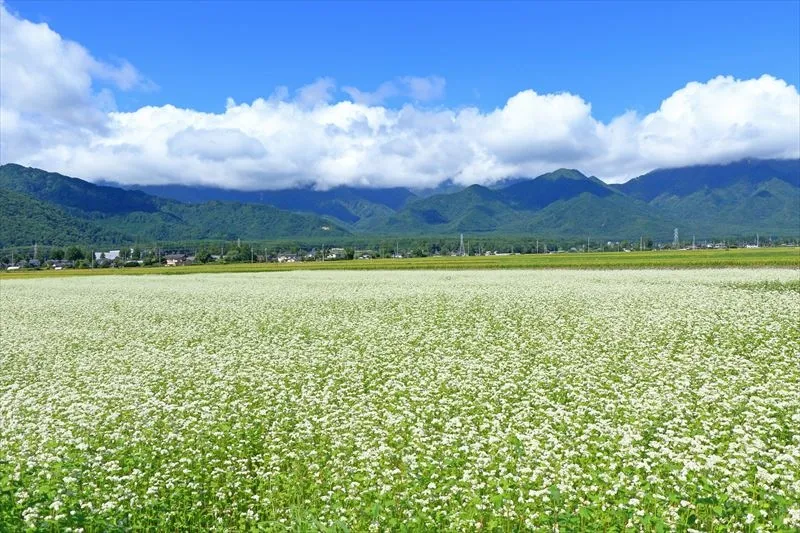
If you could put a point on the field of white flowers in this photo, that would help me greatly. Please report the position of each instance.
(366, 401)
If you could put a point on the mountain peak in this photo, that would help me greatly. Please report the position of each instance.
(564, 173)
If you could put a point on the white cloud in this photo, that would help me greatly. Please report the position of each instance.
(45, 75)
(423, 89)
(319, 92)
(56, 113)
(384, 91)
(218, 144)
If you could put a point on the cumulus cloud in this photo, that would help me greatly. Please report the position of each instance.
(50, 78)
(218, 144)
(57, 112)
(319, 92)
(421, 89)
(424, 89)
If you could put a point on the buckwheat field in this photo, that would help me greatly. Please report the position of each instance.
(374, 401)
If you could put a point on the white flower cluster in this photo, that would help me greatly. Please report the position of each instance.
(559, 400)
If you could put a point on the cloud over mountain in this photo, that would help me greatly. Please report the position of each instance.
(57, 112)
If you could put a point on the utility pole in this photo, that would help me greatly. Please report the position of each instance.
(587, 245)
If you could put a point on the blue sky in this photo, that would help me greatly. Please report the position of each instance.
(618, 56)
(271, 95)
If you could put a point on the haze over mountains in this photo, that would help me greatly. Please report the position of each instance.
(709, 201)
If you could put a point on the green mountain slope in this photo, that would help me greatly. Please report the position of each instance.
(474, 209)
(75, 194)
(613, 217)
(25, 220)
(559, 185)
(738, 198)
(709, 201)
(122, 215)
(346, 204)
(686, 181)
(771, 206)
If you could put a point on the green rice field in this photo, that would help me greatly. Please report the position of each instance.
(741, 257)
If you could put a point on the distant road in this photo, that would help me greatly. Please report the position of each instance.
(748, 258)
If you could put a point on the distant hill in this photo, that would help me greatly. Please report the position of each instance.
(74, 193)
(72, 210)
(744, 198)
(347, 204)
(684, 181)
(564, 203)
(25, 220)
(474, 209)
(562, 184)
(737, 198)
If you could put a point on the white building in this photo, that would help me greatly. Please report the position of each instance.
(110, 255)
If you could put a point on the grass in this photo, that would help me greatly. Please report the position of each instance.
(762, 257)
(779, 286)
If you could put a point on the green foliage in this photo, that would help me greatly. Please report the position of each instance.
(564, 207)
(73, 253)
(25, 220)
(73, 193)
(707, 202)
(48, 208)
(739, 258)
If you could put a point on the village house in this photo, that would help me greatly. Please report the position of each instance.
(335, 253)
(175, 259)
(109, 255)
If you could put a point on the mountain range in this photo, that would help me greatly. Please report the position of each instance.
(739, 198)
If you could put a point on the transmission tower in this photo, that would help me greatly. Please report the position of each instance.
(461, 246)
(675, 241)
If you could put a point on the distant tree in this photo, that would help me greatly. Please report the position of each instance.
(349, 253)
(57, 253)
(74, 253)
(204, 253)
